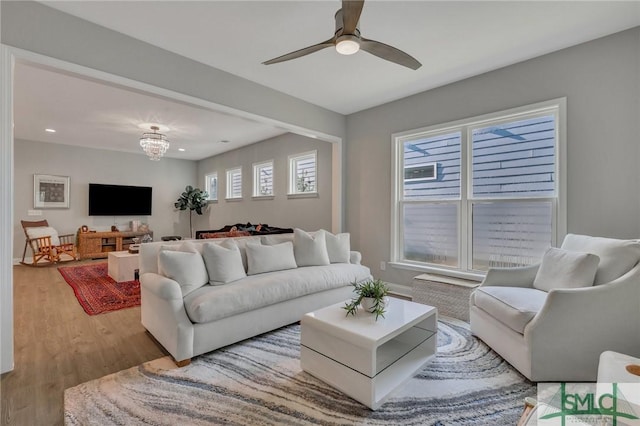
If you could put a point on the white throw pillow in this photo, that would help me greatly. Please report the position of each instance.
(617, 257)
(566, 269)
(185, 246)
(338, 247)
(43, 231)
(262, 259)
(310, 250)
(187, 269)
(223, 262)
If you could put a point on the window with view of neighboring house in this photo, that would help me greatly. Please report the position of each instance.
(263, 179)
(479, 193)
(234, 183)
(303, 173)
(211, 185)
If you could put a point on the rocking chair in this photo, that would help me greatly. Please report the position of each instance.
(46, 244)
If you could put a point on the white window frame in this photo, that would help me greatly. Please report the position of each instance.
(257, 185)
(229, 185)
(293, 161)
(559, 207)
(207, 186)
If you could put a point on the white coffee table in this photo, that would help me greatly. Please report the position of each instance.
(122, 265)
(364, 358)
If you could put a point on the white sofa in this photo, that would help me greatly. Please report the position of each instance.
(551, 332)
(214, 316)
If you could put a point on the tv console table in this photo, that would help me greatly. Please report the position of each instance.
(95, 245)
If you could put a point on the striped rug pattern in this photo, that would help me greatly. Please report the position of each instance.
(259, 382)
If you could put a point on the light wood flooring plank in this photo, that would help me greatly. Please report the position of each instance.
(57, 346)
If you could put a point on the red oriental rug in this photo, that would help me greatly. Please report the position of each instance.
(98, 293)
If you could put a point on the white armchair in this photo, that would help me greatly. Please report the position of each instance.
(557, 334)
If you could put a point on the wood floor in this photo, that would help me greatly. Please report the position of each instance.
(57, 346)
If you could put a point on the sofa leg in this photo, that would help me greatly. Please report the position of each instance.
(182, 363)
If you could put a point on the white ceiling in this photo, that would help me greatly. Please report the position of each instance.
(452, 39)
(98, 115)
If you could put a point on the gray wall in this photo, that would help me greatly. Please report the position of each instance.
(167, 177)
(305, 213)
(601, 80)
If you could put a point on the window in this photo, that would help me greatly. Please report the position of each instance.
(211, 186)
(234, 183)
(479, 193)
(303, 173)
(263, 179)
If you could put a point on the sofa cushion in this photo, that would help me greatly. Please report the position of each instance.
(310, 250)
(512, 306)
(185, 246)
(565, 269)
(338, 247)
(223, 262)
(186, 268)
(272, 240)
(617, 257)
(211, 303)
(261, 258)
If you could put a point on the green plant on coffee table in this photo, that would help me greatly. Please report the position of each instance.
(375, 289)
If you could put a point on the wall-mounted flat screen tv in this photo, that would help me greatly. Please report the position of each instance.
(119, 200)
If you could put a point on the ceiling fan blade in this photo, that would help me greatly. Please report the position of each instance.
(301, 52)
(351, 10)
(389, 53)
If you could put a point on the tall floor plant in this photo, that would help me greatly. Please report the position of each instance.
(193, 199)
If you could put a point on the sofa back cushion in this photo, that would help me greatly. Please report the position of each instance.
(263, 258)
(617, 257)
(223, 262)
(566, 269)
(310, 250)
(186, 268)
(272, 240)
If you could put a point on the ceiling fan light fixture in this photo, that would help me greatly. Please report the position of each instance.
(347, 44)
(154, 144)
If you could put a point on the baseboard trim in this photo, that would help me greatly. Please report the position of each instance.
(399, 289)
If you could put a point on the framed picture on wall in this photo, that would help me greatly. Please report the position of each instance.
(50, 192)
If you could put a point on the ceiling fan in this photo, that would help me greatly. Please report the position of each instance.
(347, 40)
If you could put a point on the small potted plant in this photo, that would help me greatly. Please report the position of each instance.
(372, 295)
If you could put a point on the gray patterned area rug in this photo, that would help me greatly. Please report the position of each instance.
(259, 382)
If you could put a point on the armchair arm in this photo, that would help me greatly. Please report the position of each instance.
(44, 241)
(162, 287)
(67, 238)
(355, 257)
(586, 322)
(511, 277)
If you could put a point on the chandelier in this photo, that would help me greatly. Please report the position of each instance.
(154, 144)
